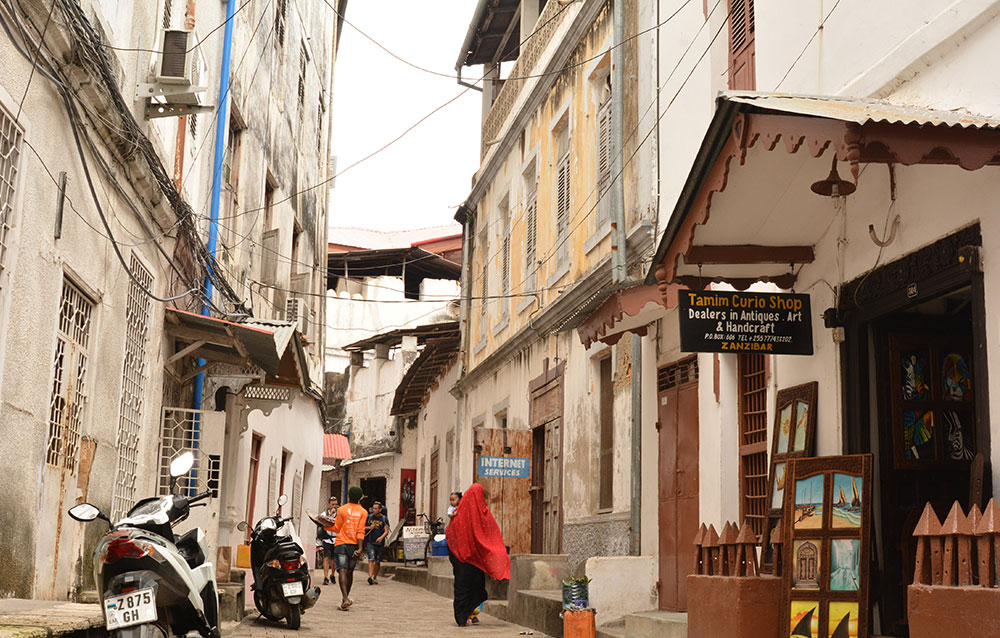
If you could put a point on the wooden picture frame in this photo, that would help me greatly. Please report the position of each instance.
(827, 524)
(798, 441)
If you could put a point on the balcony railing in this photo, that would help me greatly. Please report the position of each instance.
(550, 19)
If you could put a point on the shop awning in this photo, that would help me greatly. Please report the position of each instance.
(779, 219)
(260, 342)
(372, 457)
(336, 447)
(392, 338)
(628, 310)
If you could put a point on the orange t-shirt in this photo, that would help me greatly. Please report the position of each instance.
(350, 524)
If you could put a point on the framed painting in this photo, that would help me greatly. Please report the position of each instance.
(827, 518)
(793, 436)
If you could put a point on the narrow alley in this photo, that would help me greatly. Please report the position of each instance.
(387, 609)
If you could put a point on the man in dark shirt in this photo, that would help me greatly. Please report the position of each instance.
(376, 531)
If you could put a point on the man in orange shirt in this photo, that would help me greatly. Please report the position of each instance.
(350, 530)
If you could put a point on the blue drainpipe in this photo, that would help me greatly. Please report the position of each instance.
(221, 126)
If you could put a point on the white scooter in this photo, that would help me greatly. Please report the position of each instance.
(152, 583)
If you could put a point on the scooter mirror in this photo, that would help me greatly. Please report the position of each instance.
(282, 499)
(181, 465)
(84, 512)
(242, 526)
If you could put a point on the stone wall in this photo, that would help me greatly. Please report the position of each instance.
(603, 535)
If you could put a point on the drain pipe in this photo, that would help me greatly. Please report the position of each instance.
(221, 127)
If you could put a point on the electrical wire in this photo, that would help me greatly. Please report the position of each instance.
(806, 47)
(198, 44)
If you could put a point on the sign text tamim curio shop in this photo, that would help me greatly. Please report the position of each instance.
(754, 322)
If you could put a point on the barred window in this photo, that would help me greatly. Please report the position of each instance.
(752, 370)
(11, 136)
(134, 376)
(179, 433)
(68, 397)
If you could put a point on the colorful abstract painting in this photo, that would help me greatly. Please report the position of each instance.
(846, 504)
(845, 564)
(956, 382)
(801, 426)
(809, 503)
(778, 492)
(843, 620)
(916, 386)
(918, 434)
(806, 555)
(804, 616)
(784, 429)
(958, 435)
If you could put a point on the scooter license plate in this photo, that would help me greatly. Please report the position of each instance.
(291, 589)
(133, 608)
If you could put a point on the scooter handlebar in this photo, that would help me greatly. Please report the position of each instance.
(199, 497)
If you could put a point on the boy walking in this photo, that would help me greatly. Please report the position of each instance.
(378, 529)
(350, 530)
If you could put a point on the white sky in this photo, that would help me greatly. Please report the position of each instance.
(420, 180)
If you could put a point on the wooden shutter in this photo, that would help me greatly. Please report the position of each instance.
(485, 275)
(742, 73)
(753, 439)
(531, 239)
(604, 151)
(505, 275)
(269, 256)
(562, 197)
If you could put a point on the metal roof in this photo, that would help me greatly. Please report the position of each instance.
(380, 455)
(423, 373)
(265, 341)
(858, 110)
(395, 337)
(729, 104)
(489, 30)
(414, 262)
(335, 447)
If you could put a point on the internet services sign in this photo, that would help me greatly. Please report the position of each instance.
(503, 467)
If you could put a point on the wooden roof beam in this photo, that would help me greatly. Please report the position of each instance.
(749, 254)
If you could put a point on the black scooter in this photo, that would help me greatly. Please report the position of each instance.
(280, 571)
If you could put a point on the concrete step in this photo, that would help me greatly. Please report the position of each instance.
(615, 629)
(417, 576)
(442, 585)
(656, 624)
(496, 608)
(538, 609)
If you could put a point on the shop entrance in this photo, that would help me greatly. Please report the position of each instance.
(915, 397)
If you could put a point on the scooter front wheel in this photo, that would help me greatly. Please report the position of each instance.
(294, 616)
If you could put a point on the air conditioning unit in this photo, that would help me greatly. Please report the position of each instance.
(175, 64)
(298, 311)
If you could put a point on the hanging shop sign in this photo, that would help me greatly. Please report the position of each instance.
(754, 322)
(503, 467)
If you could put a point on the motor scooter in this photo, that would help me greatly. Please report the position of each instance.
(280, 571)
(152, 583)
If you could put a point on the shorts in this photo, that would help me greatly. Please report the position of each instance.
(328, 551)
(375, 552)
(345, 556)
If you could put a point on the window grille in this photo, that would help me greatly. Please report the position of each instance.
(297, 496)
(180, 432)
(684, 371)
(134, 376)
(267, 392)
(68, 398)
(753, 439)
(604, 151)
(11, 136)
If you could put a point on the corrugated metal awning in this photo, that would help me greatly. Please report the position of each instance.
(393, 338)
(261, 342)
(373, 457)
(423, 373)
(335, 447)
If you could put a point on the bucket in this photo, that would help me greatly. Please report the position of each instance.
(439, 548)
(575, 594)
(579, 624)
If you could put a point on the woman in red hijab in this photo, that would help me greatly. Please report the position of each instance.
(475, 547)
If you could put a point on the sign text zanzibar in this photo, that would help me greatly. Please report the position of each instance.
(728, 321)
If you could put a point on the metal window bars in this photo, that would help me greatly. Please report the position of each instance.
(11, 137)
(180, 432)
(68, 397)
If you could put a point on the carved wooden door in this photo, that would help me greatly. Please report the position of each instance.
(546, 472)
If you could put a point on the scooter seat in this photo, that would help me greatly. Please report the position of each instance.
(187, 545)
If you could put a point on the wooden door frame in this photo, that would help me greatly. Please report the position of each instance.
(944, 266)
(537, 387)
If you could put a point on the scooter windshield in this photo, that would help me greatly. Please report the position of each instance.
(156, 511)
(289, 530)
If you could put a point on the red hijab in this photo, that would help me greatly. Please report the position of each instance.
(474, 536)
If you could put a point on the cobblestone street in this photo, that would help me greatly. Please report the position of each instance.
(386, 609)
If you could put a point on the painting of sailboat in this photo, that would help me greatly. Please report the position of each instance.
(843, 619)
(778, 492)
(801, 426)
(784, 429)
(805, 619)
(847, 495)
(809, 503)
(845, 564)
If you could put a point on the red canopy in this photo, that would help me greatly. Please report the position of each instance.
(335, 446)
